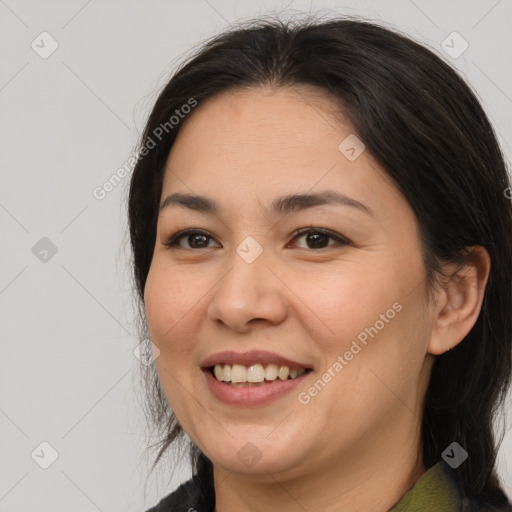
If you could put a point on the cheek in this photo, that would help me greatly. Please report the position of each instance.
(370, 318)
(168, 305)
(347, 301)
(166, 297)
(169, 308)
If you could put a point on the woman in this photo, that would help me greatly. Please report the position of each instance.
(322, 251)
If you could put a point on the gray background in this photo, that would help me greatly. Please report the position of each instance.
(69, 376)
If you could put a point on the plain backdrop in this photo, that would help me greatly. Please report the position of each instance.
(77, 80)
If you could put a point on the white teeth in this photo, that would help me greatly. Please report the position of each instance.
(219, 373)
(284, 371)
(238, 373)
(256, 373)
(271, 372)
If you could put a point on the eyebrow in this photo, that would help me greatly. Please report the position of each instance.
(281, 205)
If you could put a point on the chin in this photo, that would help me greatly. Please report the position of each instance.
(257, 457)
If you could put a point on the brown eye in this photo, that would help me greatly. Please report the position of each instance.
(318, 238)
(196, 239)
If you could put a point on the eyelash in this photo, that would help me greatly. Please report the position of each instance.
(174, 239)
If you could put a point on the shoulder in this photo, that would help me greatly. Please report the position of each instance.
(490, 500)
(188, 497)
(493, 500)
(496, 501)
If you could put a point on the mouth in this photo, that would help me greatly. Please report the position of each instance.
(237, 388)
(238, 375)
(254, 378)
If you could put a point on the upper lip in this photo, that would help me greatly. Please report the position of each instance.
(252, 357)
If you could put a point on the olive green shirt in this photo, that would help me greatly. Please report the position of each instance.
(435, 490)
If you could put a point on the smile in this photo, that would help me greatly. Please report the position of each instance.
(252, 394)
(255, 373)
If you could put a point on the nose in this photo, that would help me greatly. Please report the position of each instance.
(248, 294)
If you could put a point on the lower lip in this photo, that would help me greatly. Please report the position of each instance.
(251, 395)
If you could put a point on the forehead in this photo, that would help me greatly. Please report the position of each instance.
(265, 142)
(263, 118)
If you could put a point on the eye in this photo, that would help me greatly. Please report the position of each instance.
(198, 238)
(317, 237)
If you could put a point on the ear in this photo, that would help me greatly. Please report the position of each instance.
(459, 302)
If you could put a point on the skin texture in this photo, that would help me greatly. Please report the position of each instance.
(355, 445)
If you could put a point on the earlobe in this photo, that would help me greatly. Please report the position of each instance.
(459, 303)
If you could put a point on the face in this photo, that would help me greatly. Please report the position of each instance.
(346, 300)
